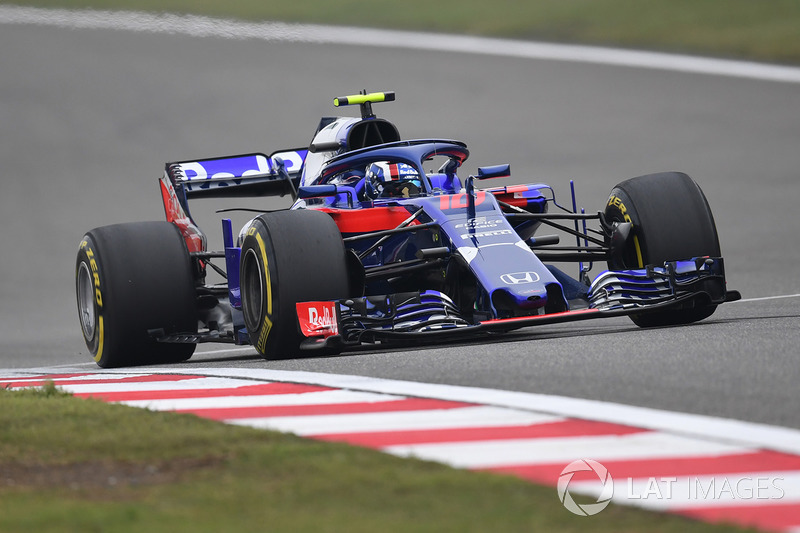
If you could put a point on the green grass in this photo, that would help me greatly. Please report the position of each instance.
(68, 464)
(749, 29)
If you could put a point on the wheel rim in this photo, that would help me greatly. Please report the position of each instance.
(252, 290)
(86, 305)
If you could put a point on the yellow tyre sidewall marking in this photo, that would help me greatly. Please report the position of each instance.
(616, 201)
(638, 251)
(100, 329)
(94, 268)
(267, 325)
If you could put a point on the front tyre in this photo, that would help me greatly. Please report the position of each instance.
(671, 221)
(288, 257)
(133, 279)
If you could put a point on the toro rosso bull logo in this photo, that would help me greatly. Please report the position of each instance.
(518, 278)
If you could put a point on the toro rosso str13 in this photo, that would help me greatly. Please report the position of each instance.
(384, 242)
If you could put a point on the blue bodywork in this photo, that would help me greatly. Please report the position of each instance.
(473, 227)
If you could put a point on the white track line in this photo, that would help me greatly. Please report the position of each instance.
(491, 454)
(310, 33)
(330, 397)
(764, 298)
(462, 417)
(189, 384)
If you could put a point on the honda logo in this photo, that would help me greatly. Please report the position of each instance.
(518, 278)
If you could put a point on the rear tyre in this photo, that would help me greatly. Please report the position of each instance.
(671, 221)
(288, 257)
(131, 279)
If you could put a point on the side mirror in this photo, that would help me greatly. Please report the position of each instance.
(495, 171)
(315, 191)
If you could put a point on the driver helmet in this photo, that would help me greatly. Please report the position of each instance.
(387, 178)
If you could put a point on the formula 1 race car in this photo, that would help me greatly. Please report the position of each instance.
(379, 247)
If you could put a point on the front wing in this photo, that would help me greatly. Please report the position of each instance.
(431, 315)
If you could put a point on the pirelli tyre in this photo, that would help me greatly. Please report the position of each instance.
(671, 221)
(133, 280)
(288, 257)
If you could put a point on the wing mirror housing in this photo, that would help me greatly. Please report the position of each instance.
(317, 191)
(494, 171)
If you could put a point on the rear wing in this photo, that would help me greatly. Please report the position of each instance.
(238, 176)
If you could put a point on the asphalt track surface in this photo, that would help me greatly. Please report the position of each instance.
(87, 119)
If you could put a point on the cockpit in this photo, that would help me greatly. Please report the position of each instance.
(391, 171)
(381, 179)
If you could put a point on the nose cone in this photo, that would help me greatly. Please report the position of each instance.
(513, 299)
(523, 290)
(529, 299)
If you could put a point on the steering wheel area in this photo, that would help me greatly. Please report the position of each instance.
(399, 189)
